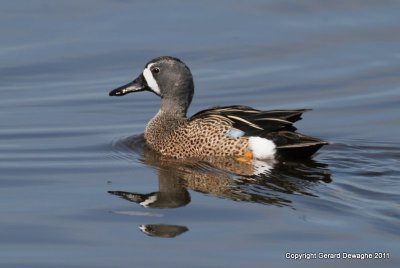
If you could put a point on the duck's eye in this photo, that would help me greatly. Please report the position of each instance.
(156, 70)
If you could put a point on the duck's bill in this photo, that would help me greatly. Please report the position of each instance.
(139, 84)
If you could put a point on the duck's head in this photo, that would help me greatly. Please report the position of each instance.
(167, 77)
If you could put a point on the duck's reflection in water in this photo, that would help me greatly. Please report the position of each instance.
(162, 230)
(261, 181)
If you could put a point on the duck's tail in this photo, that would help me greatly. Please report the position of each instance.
(296, 145)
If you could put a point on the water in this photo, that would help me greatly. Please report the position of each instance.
(68, 152)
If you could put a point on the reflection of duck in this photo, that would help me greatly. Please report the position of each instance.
(235, 131)
(163, 230)
(259, 182)
(223, 177)
(171, 193)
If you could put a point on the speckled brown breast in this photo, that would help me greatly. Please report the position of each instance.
(183, 138)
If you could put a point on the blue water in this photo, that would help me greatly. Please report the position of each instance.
(65, 144)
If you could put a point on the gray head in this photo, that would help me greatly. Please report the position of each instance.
(169, 78)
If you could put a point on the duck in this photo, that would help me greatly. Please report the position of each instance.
(235, 131)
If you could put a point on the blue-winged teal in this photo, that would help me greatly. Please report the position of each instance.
(238, 131)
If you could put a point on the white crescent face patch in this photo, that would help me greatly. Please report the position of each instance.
(151, 82)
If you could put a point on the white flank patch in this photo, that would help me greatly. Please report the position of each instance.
(151, 82)
(261, 148)
(148, 201)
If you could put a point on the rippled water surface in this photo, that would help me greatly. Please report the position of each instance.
(75, 173)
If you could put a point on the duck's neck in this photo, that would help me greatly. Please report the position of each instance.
(174, 108)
